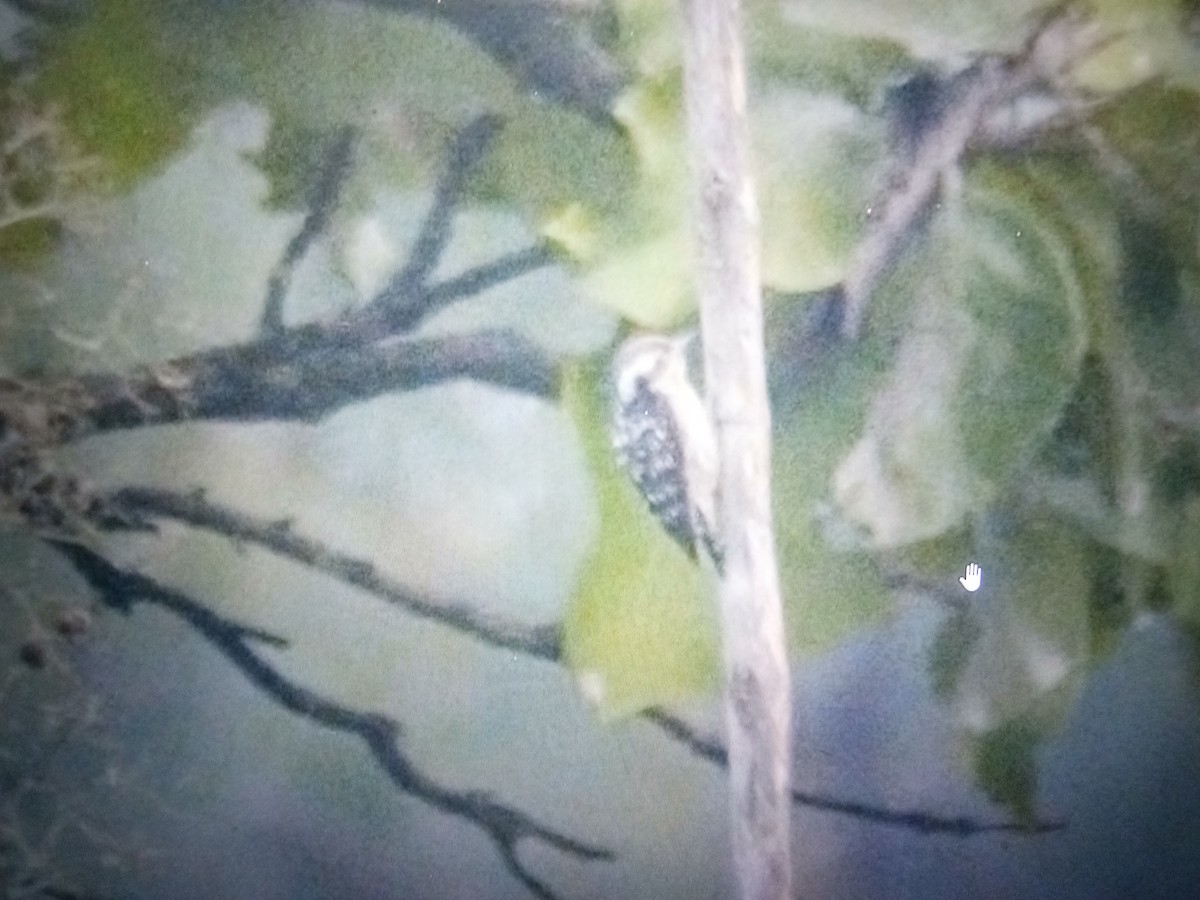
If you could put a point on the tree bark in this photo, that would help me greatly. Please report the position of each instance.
(757, 689)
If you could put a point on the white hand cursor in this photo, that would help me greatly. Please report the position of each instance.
(971, 580)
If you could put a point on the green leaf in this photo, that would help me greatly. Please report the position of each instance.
(811, 152)
(820, 61)
(1152, 133)
(410, 83)
(1031, 644)
(547, 157)
(290, 160)
(650, 35)
(124, 93)
(1155, 132)
(1183, 571)
(1006, 768)
(951, 651)
(1107, 469)
(641, 628)
(945, 29)
(908, 478)
(829, 588)
(813, 156)
(1144, 38)
(25, 244)
(985, 365)
(1030, 647)
(1148, 39)
(415, 76)
(648, 283)
(1024, 290)
(643, 248)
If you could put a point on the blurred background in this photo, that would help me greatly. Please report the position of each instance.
(326, 293)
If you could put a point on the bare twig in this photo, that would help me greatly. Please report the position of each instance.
(972, 98)
(301, 373)
(478, 279)
(506, 826)
(466, 152)
(304, 375)
(196, 510)
(710, 748)
(308, 371)
(537, 641)
(757, 685)
(397, 318)
(326, 193)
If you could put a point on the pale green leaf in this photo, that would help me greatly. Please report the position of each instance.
(944, 29)
(814, 159)
(1030, 650)
(1183, 572)
(641, 628)
(1149, 39)
(124, 96)
(829, 587)
(983, 370)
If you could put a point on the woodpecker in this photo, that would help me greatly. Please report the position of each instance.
(663, 438)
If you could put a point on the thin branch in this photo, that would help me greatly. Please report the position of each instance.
(326, 194)
(57, 893)
(304, 375)
(971, 100)
(321, 348)
(504, 825)
(466, 152)
(422, 302)
(304, 372)
(499, 271)
(757, 684)
(709, 748)
(15, 215)
(539, 642)
(308, 371)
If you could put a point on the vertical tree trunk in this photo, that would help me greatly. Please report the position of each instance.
(757, 688)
